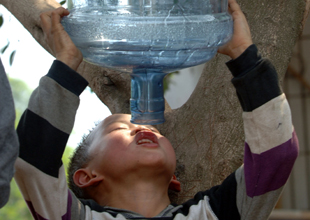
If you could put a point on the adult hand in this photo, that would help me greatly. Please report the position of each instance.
(241, 38)
(58, 39)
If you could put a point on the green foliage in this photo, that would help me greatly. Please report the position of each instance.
(62, 2)
(21, 94)
(1, 20)
(66, 156)
(12, 57)
(12, 54)
(168, 78)
(5, 47)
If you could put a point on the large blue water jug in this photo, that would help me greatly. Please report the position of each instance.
(148, 39)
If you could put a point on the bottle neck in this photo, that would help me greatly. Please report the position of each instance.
(147, 103)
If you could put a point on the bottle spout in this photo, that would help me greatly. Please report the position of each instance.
(147, 103)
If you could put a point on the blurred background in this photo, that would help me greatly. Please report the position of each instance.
(24, 73)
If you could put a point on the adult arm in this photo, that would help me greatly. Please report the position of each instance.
(8, 137)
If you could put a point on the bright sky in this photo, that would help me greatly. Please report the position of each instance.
(32, 62)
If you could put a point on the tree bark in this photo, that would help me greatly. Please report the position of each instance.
(207, 131)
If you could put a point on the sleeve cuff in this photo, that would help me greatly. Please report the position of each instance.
(258, 86)
(247, 61)
(67, 77)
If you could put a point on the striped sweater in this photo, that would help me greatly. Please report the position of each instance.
(249, 193)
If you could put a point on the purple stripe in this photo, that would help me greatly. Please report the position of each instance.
(269, 170)
(66, 216)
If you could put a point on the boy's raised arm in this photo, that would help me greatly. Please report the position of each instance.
(45, 126)
(271, 145)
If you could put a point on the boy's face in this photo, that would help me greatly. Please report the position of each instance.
(120, 147)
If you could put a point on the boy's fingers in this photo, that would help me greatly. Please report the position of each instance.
(50, 18)
(45, 20)
(233, 5)
(62, 11)
(57, 15)
(235, 10)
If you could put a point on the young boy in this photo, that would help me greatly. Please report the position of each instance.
(124, 170)
(8, 137)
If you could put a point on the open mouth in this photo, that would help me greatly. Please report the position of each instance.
(145, 141)
(146, 138)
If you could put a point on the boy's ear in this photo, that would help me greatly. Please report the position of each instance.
(84, 178)
(175, 185)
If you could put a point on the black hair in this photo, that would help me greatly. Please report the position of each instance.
(79, 159)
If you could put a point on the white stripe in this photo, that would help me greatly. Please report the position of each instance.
(269, 125)
(91, 214)
(200, 211)
(57, 96)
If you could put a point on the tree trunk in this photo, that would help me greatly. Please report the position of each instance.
(207, 131)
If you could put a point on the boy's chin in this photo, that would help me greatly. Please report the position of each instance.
(156, 159)
(158, 166)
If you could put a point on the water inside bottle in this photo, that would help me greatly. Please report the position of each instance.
(163, 43)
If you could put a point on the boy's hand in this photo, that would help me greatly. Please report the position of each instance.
(241, 38)
(58, 39)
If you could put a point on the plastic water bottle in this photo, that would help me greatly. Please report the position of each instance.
(148, 39)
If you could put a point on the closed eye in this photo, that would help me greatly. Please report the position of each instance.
(118, 128)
